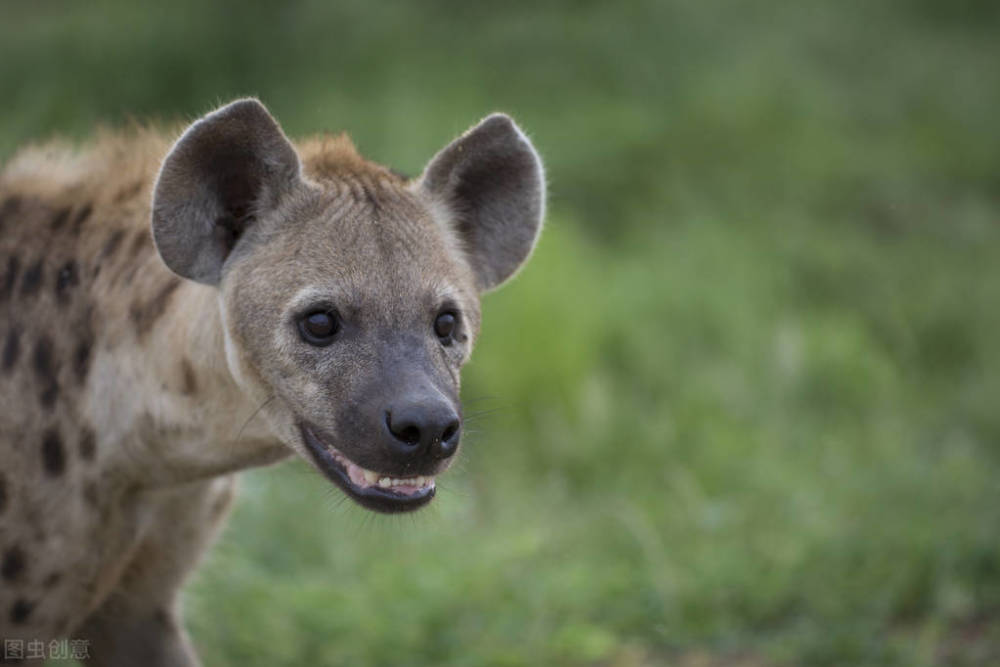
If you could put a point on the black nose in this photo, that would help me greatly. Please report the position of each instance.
(423, 429)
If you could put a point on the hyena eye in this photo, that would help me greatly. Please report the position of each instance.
(319, 327)
(444, 327)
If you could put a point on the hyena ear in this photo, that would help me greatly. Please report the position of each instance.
(489, 186)
(224, 171)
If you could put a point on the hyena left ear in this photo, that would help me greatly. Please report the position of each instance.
(490, 186)
(225, 170)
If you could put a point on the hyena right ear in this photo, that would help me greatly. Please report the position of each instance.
(224, 171)
(489, 186)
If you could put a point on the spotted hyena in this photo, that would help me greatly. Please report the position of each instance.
(157, 296)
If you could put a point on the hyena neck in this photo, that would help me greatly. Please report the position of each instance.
(189, 410)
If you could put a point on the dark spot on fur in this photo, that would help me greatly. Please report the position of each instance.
(32, 278)
(190, 382)
(11, 348)
(128, 192)
(111, 245)
(10, 277)
(8, 209)
(67, 278)
(20, 611)
(88, 444)
(3, 492)
(82, 216)
(42, 360)
(144, 315)
(49, 395)
(13, 564)
(139, 242)
(81, 358)
(52, 580)
(60, 218)
(82, 351)
(130, 276)
(90, 494)
(53, 456)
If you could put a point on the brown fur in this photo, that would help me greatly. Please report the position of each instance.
(126, 390)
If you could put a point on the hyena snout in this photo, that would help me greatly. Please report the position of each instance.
(422, 428)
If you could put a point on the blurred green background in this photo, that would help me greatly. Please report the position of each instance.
(741, 408)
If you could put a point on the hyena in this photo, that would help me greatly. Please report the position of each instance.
(158, 295)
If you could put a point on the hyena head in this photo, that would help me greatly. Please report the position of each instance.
(349, 296)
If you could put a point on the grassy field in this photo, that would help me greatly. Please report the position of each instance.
(742, 408)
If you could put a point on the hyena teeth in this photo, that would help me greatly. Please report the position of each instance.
(370, 476)
(388, 482)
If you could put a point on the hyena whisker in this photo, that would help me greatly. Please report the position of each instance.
(256, 412)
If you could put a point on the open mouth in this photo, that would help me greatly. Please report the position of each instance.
(370, 489)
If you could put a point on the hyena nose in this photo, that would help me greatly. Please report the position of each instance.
(419, 429)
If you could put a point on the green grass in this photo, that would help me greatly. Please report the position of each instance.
(743, 403)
